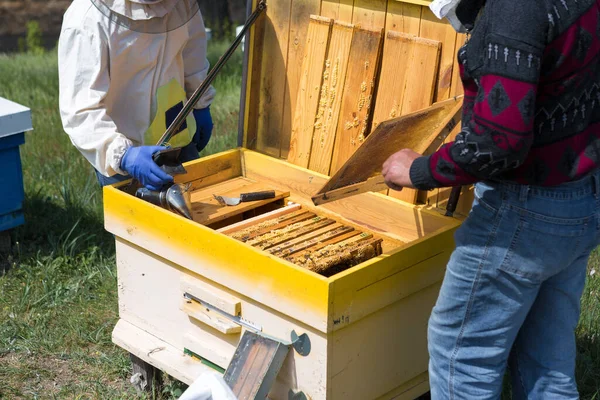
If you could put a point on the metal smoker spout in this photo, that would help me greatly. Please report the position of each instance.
(176, 197)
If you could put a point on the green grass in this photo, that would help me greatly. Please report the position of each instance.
(58, 304)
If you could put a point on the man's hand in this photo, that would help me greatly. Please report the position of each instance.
(396, 170)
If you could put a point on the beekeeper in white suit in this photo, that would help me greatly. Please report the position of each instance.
(126, 67)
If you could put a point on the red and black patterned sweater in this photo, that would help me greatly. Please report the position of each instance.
(531, 74)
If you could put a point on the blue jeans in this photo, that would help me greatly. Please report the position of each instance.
(512, 291)
(188, 153)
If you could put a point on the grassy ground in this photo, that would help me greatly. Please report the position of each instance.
(58, 304)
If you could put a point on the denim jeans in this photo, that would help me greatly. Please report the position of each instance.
(512, 291)
(188, 153)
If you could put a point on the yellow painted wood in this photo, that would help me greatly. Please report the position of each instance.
(361, 78)
(397, 341)
(385, 280)
(204, 251)
(273, 79)
(212, 169)
(330, 100)
(440, 30)
(298, 40)
(306, 107)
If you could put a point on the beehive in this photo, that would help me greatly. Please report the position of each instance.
(367, 323)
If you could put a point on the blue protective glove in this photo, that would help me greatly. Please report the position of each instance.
(138, 163)
(204, 128)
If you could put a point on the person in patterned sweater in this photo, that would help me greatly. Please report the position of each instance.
(530, 142)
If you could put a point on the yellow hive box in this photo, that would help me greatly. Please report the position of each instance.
(366, 325)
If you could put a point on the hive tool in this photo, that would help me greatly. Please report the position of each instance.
(244, 197)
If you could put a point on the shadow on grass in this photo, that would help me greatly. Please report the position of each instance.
(52, 228)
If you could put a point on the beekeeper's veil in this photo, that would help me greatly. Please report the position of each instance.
(148, 16)
(460, 13)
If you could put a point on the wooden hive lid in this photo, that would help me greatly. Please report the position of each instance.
(319, 75)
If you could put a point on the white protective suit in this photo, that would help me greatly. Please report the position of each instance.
(121, 87)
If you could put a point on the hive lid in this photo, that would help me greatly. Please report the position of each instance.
(14, 118)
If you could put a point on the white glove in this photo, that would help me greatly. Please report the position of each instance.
(209, 386)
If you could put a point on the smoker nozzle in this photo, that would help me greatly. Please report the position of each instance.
(176, 197)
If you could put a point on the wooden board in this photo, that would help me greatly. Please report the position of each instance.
(414, 131)
(369, 14)
(254, 367)
(355, 115)
(419, 90)
(298, 40)
(273, 78)
(436, 29)
(403, 17)
(340, 10)
(334, 79)
(394, 74)
(311, 79)
(206, 210)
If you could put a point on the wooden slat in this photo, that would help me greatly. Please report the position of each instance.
(300, 233)
(335, 236)
(392, 80)
(339, 10)
(330, 101)
(313, 64)
(254, 79)
(272, 235)
(303, 239)
(299, 26)
(246, 232)
(302, 217)
(361, 77)
(419, 90)
(374, 184)
(260, 218)
(273, 78)
(403, 17)
(423, 66)
(369, 14)
(436, 29)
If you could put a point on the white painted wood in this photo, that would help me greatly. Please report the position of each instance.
(213, 296)
(14, 118)
(157, 352)
(210, 318)
(150, 297)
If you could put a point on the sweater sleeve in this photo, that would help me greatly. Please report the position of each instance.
(501, 71)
